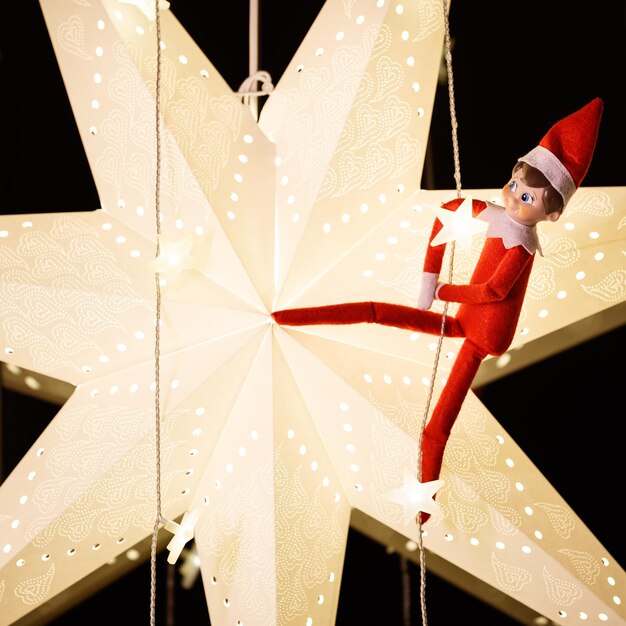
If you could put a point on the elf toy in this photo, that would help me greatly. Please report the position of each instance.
(542, 183)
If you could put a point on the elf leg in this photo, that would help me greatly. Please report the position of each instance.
(349, 313)
(395, 315)
(446, 411)
(448, 408)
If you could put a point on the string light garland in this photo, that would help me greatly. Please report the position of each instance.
(157, 323)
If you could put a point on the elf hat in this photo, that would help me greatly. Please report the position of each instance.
(564, 154)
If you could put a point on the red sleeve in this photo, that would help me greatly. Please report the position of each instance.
(497, 287)
(434, 254)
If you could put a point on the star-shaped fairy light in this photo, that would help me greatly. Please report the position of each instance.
(458, 226)
(415, 496)
(183, 533)
(276, 435)
(175, 257)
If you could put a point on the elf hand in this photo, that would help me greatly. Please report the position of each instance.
(427, 290)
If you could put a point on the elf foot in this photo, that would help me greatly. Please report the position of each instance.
(433, 448)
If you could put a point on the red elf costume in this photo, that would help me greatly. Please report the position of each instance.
(542, 183)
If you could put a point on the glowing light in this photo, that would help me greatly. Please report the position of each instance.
(458, 226)
(177, 256)
(415, 496)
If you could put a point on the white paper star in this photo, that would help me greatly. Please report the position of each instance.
(415, 496)
(458, 226)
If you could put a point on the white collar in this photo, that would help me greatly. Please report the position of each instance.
(511, 232)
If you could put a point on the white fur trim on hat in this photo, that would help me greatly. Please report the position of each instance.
(550, 166)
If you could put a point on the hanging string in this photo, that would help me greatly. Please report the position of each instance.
(457, 178)
(249, 88)
(157, 325)
(453, 121)
(253, 54)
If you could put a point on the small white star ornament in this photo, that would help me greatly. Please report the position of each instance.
(183, 533)
(459, 226)
(415, 496)
(176, 256)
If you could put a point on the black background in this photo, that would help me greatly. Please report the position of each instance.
(518, 67)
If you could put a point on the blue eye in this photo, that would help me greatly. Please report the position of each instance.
(513, 185)
(527, 198)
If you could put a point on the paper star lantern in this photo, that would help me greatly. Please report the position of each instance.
(459, 226)
(276, 436)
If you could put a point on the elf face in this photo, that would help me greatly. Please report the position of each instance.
(524, 204)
